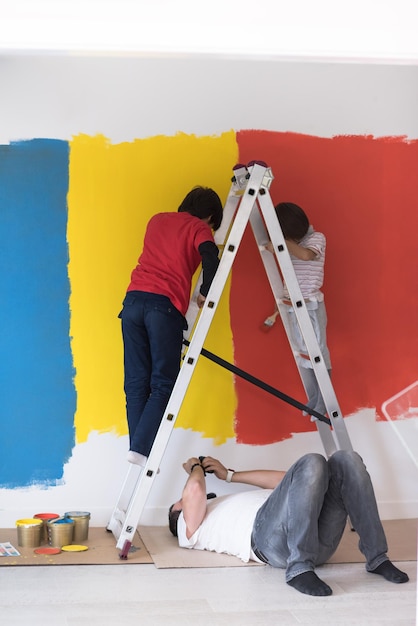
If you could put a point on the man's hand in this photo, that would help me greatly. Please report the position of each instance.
(214, 466)
(187, 466)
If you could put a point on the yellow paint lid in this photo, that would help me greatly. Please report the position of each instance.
(27, 523)
(74, 548)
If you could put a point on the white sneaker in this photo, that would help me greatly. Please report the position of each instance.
(136, 458)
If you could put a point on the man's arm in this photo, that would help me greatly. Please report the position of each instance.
(266, 479)
(194, 496)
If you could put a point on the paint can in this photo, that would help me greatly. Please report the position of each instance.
(81, 521)
(60, 531)
(45, 517)
(29, 532)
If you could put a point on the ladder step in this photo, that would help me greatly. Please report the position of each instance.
(127, 493)
(115, 526)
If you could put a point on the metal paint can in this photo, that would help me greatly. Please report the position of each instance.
(45, 517)
(29, 532)
(81, 521)
(60, 531)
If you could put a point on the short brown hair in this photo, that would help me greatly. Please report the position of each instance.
(293, 220)
(203, 202)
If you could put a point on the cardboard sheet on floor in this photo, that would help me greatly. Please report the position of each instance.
(164, 550)
(101, 551)
(155, 544)
(401, 536)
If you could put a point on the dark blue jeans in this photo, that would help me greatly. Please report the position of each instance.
(152, 330)
(301, 523)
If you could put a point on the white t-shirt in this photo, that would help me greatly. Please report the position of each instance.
(227, 525)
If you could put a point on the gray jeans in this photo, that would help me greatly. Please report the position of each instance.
(318, 317)
(301, 523)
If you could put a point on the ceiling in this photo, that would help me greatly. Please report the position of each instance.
(382, 31)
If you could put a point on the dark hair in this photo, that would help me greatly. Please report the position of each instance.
(173, 517)
(293, 220)
(203, 202)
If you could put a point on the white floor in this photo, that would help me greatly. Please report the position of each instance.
(128, 594)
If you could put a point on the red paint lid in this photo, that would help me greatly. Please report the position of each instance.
(46, 516)
(47, 550)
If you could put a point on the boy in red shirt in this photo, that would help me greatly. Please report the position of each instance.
(154, 307)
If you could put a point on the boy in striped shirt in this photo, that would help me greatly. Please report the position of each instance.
(307, 252)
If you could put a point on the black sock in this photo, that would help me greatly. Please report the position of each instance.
(309, 583)
(390, 572)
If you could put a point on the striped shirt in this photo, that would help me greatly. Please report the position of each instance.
(310, 274)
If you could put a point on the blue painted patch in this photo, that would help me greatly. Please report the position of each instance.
(37, 394)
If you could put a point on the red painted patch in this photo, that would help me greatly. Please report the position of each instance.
(362, 193)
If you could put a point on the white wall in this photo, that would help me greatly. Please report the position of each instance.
(126, 98)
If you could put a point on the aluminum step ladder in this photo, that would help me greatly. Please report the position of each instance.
(248, 202)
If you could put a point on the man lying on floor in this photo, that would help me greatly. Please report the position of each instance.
(294, 521)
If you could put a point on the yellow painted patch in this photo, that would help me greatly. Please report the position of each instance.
(113, 191)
